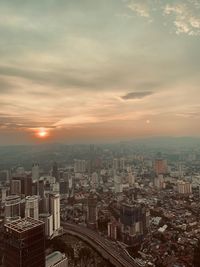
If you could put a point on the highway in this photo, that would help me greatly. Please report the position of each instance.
(117, 257)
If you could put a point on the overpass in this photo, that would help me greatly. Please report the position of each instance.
(105, 248)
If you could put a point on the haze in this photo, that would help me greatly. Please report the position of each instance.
(99, 70)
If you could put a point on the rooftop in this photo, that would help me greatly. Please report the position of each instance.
(23, 225)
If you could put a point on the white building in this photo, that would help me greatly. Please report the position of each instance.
(56, 259)
(55, 210)
(35, 172)
(159, 181)
(184, 187)
(32, 207)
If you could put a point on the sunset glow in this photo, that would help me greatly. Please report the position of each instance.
(42, 133)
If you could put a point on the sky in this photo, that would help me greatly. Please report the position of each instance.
(98, 70)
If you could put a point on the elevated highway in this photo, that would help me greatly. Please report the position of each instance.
(105, 248)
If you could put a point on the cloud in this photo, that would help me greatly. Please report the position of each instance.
(136, 95)
(184, 16)
(139, 8)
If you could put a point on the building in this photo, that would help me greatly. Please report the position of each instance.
(35, 172)
(184, 187)
(92, 215)
(12, 207)
(32, 207)
(117, 184)
(131, 179)
(134, 223)
(79, 166)
(160, 166)
(54, 201)
(15, 187)
(21, 184)
(3, 193)
(48, 220)
(55, 172)
(56, 259)
(159, 182)
(24, 242)
(113, 230)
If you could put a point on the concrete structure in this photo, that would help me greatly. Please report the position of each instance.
(117, 184)
(92, 215)
(21, 184)
(32, 207)
(24, 242)
(54, 200)
(133, 223)
(159, 182)
(160, 166)
(48, 220)
(56, 259)
(15, 187)
(3, 193)
(35, 172)
(101, 245)
(79, 166)
(184, 187)
(12, 207)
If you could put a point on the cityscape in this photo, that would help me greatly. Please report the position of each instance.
(99, 133)
(123, 204)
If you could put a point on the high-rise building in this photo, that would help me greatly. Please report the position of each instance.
(24, 242)
(79, 166)
(119, 164)
(32, 207)
(48, 220)
(54, 200)
(92, 215)
(55, 172)
(21, 184)
(12, 207)
(35, 172)
(159, 181)
(184, 187)
(15, 187)
(160, 166)
(134, 223)
(117, 184)
(3, 193)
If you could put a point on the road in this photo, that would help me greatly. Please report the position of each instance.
(108, 251)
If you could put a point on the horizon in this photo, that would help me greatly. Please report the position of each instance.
(96, 71)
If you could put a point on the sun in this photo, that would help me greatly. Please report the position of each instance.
(42, 133)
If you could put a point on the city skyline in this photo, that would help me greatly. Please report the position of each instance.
(74, 71)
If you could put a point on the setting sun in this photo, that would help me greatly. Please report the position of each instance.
(42, 133)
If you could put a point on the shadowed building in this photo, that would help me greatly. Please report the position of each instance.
(24, 243)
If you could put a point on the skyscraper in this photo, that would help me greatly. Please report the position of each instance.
(32, 207)
(55, 210)
(12, 207)
(24, 241)
(92, 211)
(55, 172)
(160, 166)
(35, 172)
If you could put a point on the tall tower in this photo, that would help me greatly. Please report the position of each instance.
(36, 176)
(55, 172)
(55, 210)
(92, 215)
(32, 207)
(35, 172)
(24, 242)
